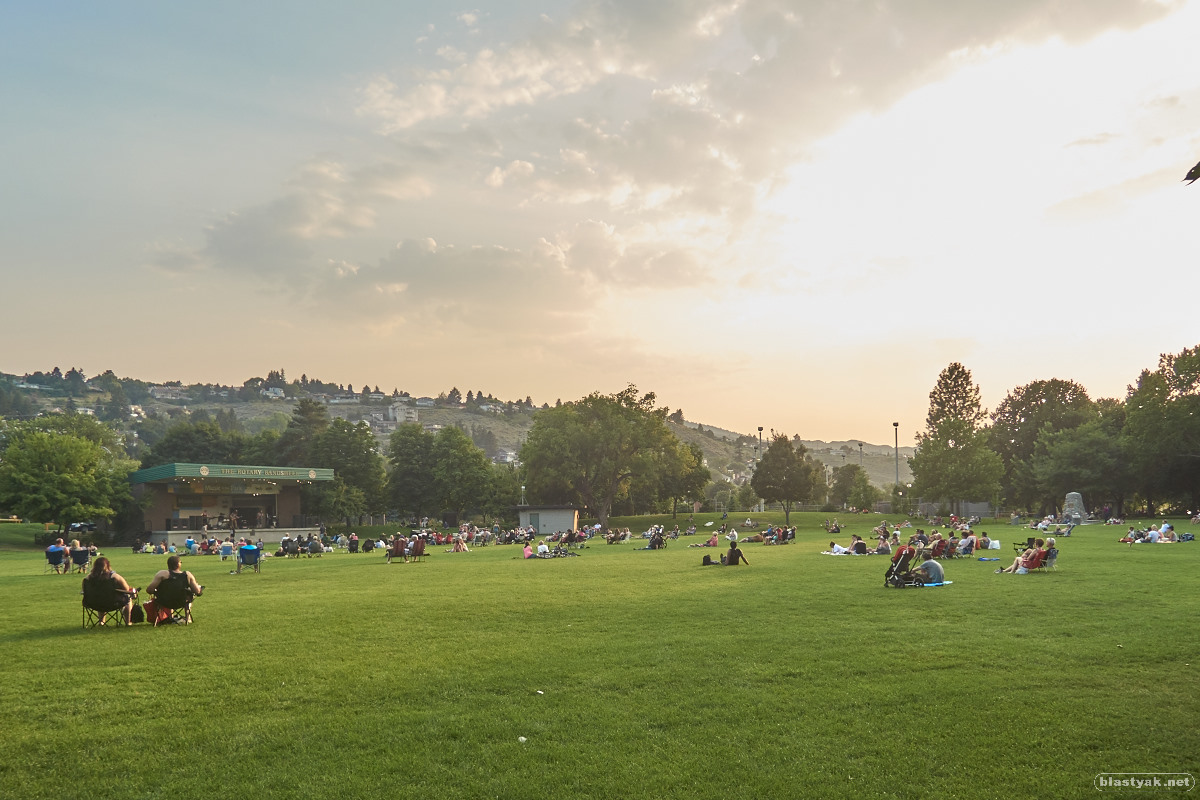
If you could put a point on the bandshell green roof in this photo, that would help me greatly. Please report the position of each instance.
(235, 471)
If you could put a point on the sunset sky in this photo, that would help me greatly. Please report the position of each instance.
(785, 213)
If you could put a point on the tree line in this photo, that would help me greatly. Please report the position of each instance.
(1047, 438)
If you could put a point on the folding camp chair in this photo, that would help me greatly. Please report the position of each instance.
(103, 601)
(250, 557)
(176, 596)
(56, 561)
(81, 559)
(1049, 561)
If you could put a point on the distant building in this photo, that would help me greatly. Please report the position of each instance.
(180, 497)
(167, 393)
(549, 519)
(426, 402)
(402, 412)
(272, 393)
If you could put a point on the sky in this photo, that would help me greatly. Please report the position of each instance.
(781, 213)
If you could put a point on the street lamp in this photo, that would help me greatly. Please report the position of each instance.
(758, 453)
(896, 428)
(860, 454)
(523, 495)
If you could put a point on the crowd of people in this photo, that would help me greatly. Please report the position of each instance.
(954, 537)
(1155, 534)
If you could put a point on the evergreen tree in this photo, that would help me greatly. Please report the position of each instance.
(953, 461)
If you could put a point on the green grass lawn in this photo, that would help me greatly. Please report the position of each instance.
(631, 674)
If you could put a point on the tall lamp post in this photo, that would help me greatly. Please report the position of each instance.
(760, 452)
(860, 454)
(896, 428)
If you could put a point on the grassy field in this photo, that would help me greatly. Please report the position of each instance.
(630, 674)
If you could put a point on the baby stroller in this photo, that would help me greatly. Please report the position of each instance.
(899, 575)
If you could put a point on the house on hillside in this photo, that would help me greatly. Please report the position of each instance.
(272, 393)
(167, 393)
(402, 412)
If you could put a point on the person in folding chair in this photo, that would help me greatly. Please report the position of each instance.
(57, 558)
(81, 557)
(173, 590)
(106, 595)
(248, 556)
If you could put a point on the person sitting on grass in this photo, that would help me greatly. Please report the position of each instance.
(932, 572)
(1022, 563)
(883, 548)
(734, 556)
(710, 542)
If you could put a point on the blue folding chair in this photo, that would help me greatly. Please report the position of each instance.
(81, 559)
(57, 560)
(249, 557)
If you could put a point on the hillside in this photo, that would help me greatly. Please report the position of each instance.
(728, 453)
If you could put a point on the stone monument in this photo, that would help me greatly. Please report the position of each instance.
(1073, 508)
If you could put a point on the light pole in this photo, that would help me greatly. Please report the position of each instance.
(896, 428)
(760, 450)
(860, 454)
(522, 495)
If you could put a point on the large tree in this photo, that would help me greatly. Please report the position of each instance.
(784, 475)
(844, 479)
(294, 448)
(1089, 459)
(955, 397)
(195, 443)
(1162, 425)
(49, 476)
(349, 450)
(462, 473)
(410, 481)
(953, 461)
(686, 478)
(1022, 417)
(588, 451)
